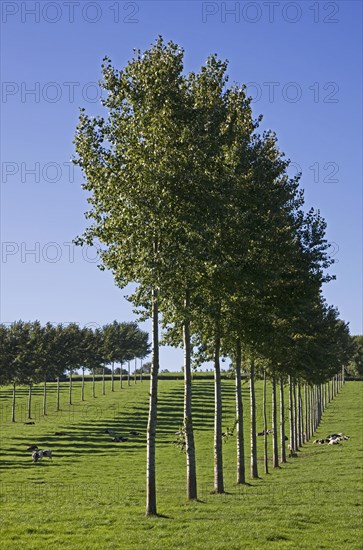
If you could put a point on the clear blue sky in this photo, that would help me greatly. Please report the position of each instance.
(302, 63)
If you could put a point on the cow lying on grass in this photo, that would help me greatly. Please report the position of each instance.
(332, 439)
(38, 455)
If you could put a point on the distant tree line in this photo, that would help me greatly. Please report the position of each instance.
(31, 353)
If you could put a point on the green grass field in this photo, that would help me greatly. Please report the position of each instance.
(92, 495)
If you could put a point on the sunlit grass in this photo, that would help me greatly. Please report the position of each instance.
(92, 495)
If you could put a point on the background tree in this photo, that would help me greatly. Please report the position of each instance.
(355, 366)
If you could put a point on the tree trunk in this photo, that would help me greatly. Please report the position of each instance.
(265, 443)
(82, 388)
(295, 414)
(282, 421)
(311, 391)
(328, 383)
(151, 426)
(188, 416)
(254, 469)
(319, 403)
(128, 373)
(307, 429)
(241, 474)
(45, 396)
(315, 407)
(135, 371)
(113, 376)
(70, 387)
(275, 447)
(291, 416)
(30, 401)
(103, 381)
(299, 416)
(218, 455)
(13, 403)
(58, 394)
(141, 370)
(93, 383)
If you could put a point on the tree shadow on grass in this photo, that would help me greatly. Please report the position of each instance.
(88, 435)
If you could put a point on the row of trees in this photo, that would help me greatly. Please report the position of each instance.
(191, 203)
(31, 353)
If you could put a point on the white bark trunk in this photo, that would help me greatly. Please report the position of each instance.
(218, 456)
(241, 474)
(254, 468)
(188, 412)
(151, 426)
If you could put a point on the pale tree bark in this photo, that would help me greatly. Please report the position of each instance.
(319, 403)
(265, 434)
(151, 426)
(45, 396)
(103, 381)
(295, 414)
(30, 401)
(113, 376)
(241, 473)
(311, 393)
(70, 386)
(343, 375)
(323, 390)
(82, 387)
(58, 394)
(300, 420)
(188, 412)
(291, 417)
(135, 371)
(275, 447)
(316, 405)
(93, 383)
(141, 370)
(328, 384)
(128, 373)
(121, 375)
(13, 403)
(313, 408)
(306, 405)
(282, 422)
(218, 456)
(254, 468)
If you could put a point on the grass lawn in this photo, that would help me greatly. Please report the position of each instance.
(92, 495)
